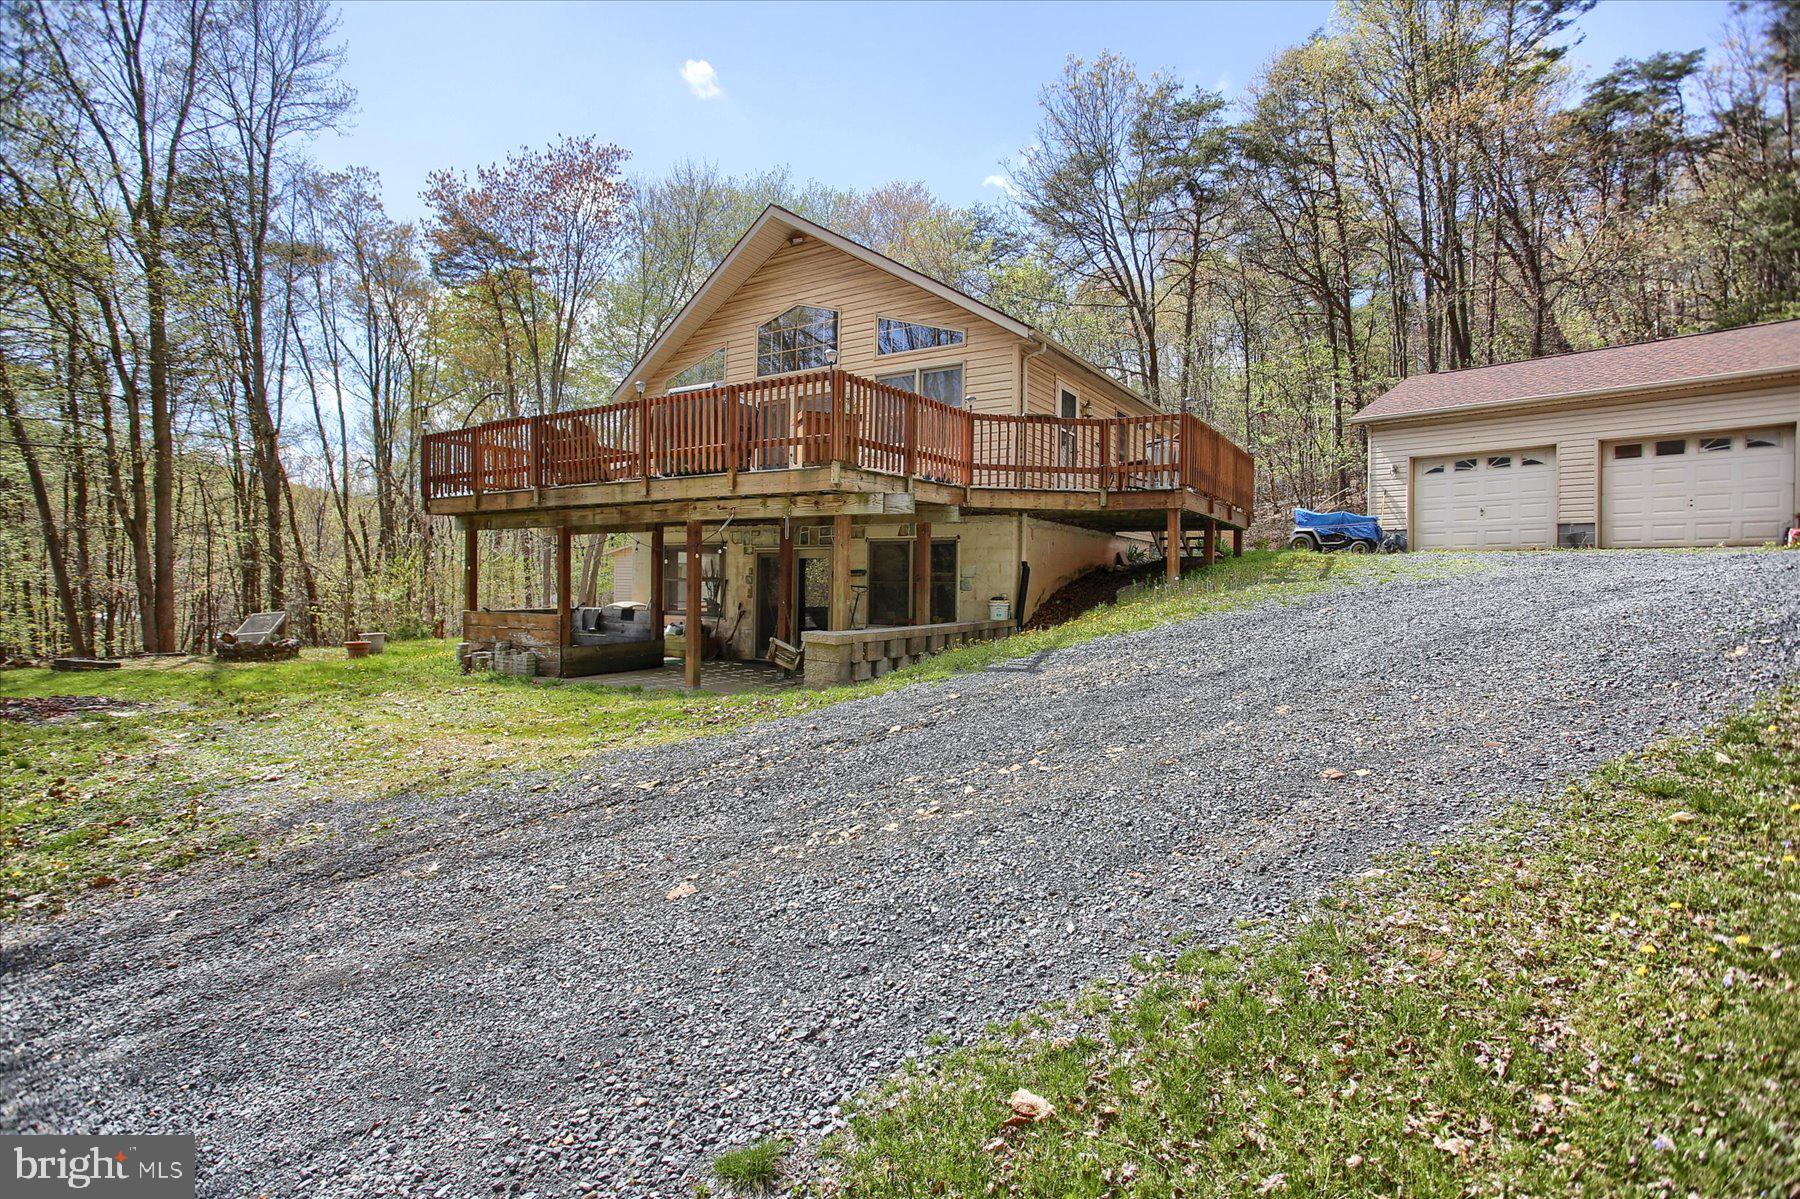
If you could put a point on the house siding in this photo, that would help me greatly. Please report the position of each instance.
(1100, 398)
(1576, 431)
(823, 276)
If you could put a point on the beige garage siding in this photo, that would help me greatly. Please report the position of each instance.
(1576, 430)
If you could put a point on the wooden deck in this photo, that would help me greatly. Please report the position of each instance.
(828, 443)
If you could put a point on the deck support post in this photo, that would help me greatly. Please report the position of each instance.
(921, 573)
(565, 545)
(657, 615)
(471, 568)
(784, 587)
(840, 572)
(695, 631)
(1237, 543)
(1172, 547)
(1209, 550)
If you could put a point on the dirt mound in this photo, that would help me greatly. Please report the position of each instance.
(1098, 586)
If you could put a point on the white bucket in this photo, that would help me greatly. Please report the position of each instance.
(999, 609)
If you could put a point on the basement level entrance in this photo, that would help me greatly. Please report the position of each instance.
(812, 597)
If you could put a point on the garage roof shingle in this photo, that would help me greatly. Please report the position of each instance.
(1696, 356)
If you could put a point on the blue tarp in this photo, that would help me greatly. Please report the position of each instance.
(1348, 524)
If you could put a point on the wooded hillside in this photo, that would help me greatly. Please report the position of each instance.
(217, 359)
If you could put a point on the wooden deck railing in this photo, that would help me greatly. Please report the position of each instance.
(827, 416)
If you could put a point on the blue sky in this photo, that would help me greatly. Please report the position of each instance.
(850, 94)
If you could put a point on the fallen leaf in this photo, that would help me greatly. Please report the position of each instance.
(1682, 818)
(1332, 772)
(680, 891)
(1030, 1105)
(1737, 652)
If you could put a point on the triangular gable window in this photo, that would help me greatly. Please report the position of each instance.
(704, 373)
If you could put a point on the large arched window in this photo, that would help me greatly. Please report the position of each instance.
(800, 339)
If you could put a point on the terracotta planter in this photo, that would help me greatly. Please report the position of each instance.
(357, 649)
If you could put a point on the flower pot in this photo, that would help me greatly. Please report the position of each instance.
(357, 649)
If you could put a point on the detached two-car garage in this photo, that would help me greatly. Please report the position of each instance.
(1690, 441)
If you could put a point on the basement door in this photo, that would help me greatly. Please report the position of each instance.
(1485, 501)
(1723, 489)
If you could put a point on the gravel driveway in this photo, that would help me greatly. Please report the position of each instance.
(500, 995)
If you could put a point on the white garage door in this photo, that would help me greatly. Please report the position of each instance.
(1489, 501)
(1724, 489)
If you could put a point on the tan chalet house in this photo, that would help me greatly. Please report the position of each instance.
(1686, 441)
(830, 450)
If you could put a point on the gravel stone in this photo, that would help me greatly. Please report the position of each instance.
(498, 995)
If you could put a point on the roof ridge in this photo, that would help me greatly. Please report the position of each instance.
(1623, 345)
(1639, 366)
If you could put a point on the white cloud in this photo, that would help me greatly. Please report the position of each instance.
(1002, 183)
(701, 79)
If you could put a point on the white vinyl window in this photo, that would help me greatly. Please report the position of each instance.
(704, 373)
(1068, 406)
(941, 383)
(900, 337)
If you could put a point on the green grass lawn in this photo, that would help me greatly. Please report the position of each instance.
(1600, 1000)
(218, 758)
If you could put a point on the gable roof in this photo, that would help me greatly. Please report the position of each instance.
(768, 233)
(1691, 359)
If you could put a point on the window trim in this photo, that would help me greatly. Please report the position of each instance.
(837, 318)
(961, 343)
